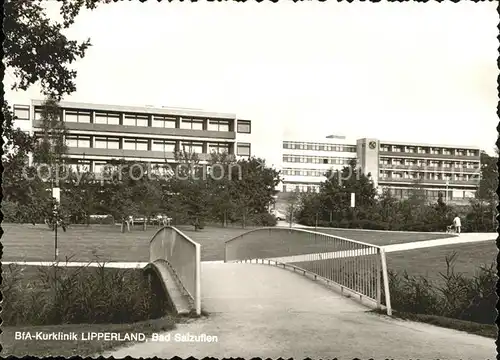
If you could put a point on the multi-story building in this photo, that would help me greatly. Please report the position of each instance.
(305, 163)
(98, 133)
(451, 170)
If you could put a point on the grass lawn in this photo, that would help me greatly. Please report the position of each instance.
(429, 262)
(23, 242)
(382, 238)
(485, 330)
(35, 348)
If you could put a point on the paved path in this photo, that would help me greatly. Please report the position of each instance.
(263, 311)
(461, 239)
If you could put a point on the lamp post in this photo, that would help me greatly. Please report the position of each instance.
(446, 193)
(56, 194)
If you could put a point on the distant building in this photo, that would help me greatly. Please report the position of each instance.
(451, 170)
(305, 162)
(98, 133)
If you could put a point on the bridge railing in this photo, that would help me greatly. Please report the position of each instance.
(182, 256)
(354, 266)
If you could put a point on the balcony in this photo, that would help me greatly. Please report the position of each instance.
(149, 130)
(472, 182)
(122, 153)
(428, 156)
(430, 168)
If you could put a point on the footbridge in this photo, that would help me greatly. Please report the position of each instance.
(352, 268)
(290, 293)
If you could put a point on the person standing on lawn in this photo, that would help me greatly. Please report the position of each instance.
(457, 224)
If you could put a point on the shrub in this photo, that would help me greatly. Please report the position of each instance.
(10, 211)
(108, 220)
(267, 219)
(63, 295)
(472, 299)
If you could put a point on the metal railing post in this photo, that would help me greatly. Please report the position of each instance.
(377, 286)
(198, 280)
(386, 282)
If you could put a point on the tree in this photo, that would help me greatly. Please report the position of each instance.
(337, 188)
(222, 204)
(82, 195)
(117, 192)
(188, 189)
(147, 192)
(293, 207)
(27, 186)
(36, 49)
(253, 187)
(486, 193)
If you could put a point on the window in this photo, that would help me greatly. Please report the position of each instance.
(38, 113)
(286, 145)
(78, 141)
(22, 112)
(164, 145)
(80, 165)
(191, 124)
(218, 125)
(106, 143)
(164, 122)
(243, 149)
(135, 120)
(192, 147)
(244, 126)
(99, 167)
(446, 152)
(135, 144)
(218, 148)
(77, 116)
(107, 118)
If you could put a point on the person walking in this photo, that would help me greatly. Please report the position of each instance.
(457, 224)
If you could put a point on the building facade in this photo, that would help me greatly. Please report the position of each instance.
(98, 133)
(305, 163)
(451, 170)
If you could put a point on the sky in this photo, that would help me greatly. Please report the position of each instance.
(416, 72)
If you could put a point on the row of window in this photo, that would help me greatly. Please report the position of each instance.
(430, 163)
(318, 146)
(300, 188)
(140, 120)
(101, 142)
(316, 159)
(304, 172)
(431, 176)
(433, 194)
(428, 150)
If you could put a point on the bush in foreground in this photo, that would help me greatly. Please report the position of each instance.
(62, 295)
(456, 296)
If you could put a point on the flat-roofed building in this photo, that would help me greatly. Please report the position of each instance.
(305, 162)
(453, 170)
(98, 133)
(399, 167)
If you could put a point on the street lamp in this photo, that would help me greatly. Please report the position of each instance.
(56, 194)
(446, 193)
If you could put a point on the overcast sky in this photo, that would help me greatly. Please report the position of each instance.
(399, 71)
